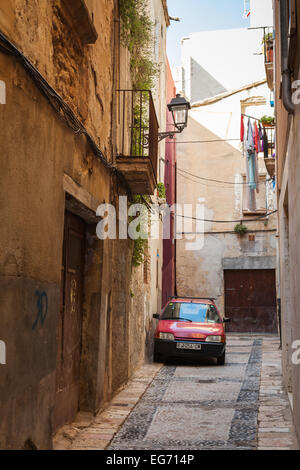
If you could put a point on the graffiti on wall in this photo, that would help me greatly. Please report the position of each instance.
(42, 308)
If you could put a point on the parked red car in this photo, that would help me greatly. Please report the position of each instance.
(190, 327)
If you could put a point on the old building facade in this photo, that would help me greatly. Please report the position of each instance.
(226, 81)
(169, 243)
(75, 313)
(286, 74)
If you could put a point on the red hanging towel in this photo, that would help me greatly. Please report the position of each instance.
(256, 138)
(242, 128)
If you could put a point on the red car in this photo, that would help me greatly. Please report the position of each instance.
(190, 327)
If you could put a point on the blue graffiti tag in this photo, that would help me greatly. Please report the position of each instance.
(42, 308)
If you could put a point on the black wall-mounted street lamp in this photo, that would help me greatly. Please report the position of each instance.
(179, 107)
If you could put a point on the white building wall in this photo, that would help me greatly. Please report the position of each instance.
(232, 57)
(261, 13)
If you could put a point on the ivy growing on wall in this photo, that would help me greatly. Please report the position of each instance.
(140, 244)
(137, 36)
(161, 190)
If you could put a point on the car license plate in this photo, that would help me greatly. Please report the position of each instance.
(189, 346)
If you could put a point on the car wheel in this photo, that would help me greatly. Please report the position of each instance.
(157, 357)
(221, 359)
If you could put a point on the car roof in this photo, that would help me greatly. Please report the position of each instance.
(196, 300)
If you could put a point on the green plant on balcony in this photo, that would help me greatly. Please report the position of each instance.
(268, 47)
(161, 190)
(140, 125)
(268, 40)
(267, 121)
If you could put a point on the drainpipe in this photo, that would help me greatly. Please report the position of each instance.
(285, 71)
(175, 230)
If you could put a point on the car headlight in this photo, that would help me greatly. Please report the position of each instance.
(167, 336)
(214, 339)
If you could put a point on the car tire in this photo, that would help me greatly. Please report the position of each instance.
(221, 359)
(157, 357)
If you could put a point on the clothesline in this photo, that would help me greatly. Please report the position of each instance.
(250, 117)
(253, 140)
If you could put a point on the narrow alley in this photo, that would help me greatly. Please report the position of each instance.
(190, 406)
(150, 208)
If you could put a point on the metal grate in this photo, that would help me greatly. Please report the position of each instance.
(270, 131)
(138, 126)
(268, 44)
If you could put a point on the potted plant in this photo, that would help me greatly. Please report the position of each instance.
(268, 45)
(268, 121)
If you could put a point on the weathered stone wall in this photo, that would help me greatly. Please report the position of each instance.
(42, 159)
(288, 172)
(289, 268)
(289, 265)
(37, 150)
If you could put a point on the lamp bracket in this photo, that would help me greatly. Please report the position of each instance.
(170, 134)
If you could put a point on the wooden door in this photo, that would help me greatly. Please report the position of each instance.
(70, 322)
(250, 300)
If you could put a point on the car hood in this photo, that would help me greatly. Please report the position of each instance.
(189, 330)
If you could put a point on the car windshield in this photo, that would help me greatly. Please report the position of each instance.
(196, 312)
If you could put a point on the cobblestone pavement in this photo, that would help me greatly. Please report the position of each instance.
(186, 405)
(90, 432)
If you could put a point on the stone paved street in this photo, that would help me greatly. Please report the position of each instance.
(241, 405)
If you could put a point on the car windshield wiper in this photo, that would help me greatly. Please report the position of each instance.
(177, 319)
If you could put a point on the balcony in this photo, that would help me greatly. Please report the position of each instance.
(270, 160)
(268, 45)
(137, 140)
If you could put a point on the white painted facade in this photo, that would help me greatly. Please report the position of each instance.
(261, 13)
(234, 58)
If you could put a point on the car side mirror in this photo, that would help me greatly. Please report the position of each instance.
(156, 316)
(226, 320)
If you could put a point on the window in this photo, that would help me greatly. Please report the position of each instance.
(194, 312)
(261, 197)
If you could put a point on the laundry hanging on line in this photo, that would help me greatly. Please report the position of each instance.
(260, 137)
(253, 145)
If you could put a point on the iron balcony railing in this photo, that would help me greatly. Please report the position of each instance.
(268, 44)
(137, 134)
(270, 131)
